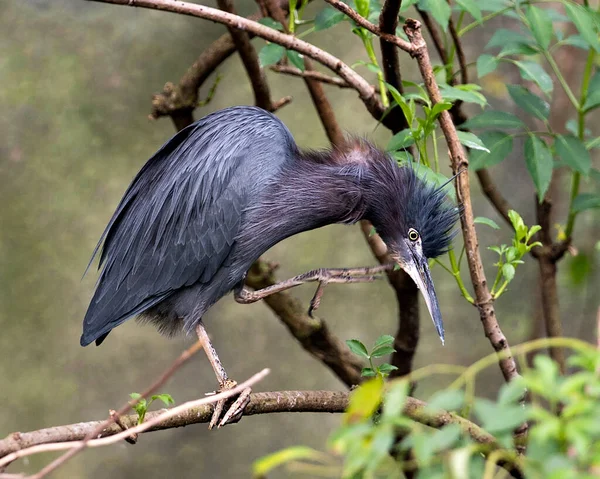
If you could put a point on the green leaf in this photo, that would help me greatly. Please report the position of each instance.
(439, 10)
(394, 400)
(447, 399)
(166, 399)
(593, 93)
(538, 159)
(535, 72)
(367, 372)
(471, 141)
(511, 393)
(471, 7)
(572, 151)
(446, 437)
(462, 93)
(364, 400)
(270, 54)
(529, 102)
(386, 339)
(496, 418)
(362, 7)
(586, 201)
(266, 464)
(486, 221)
(327, 18)
(386, 368)
(486, 64)
(583, 20)
(500, 145)
(357, 348)
(493, 119)
(517, 49)
(296, 59)
(135, 395)
(269, 22)
(503, 37)
(381, 351)
(406, 4)
(508, 271)
(541, 25)
(580, 265)
(576, 41)
(492, 5)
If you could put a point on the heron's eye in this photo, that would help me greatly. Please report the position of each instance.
(413, 234)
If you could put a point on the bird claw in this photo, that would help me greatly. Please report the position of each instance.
(235, 411)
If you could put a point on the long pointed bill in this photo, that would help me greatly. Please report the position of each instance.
(419, 272)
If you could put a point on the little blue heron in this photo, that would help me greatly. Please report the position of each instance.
(227, 188)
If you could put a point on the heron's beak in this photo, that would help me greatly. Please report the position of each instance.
(418, 269)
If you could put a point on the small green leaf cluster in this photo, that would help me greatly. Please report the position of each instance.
(510, 256)
(140, 405)
(382, 347)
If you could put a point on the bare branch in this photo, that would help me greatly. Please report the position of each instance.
(62, 437)
(241, 40)
(388, 21)
(484, 300)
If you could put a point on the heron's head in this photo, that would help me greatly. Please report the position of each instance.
(415, 220)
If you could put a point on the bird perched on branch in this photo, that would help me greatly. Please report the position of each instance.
(224, 190)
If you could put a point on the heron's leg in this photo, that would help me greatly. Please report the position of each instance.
(323, 276)
(237, 408)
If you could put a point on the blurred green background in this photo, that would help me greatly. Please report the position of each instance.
(76, 79)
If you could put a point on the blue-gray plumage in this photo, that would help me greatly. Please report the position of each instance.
(227, 188)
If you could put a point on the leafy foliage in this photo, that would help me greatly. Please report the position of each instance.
(383, 347)
(379, 428)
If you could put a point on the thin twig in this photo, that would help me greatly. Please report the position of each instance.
(484, 300)
(313, 74)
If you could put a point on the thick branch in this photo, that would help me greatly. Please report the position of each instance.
(241, 40)
(260, 403)
(388, 21)
(484, 300)
(365, 91)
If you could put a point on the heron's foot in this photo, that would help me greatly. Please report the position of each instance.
(236, 406)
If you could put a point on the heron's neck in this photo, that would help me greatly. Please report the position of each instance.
(305, 195)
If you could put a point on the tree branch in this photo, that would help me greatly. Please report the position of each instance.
(365, 91)
(135, 428)
(63, 437)
(484, 300)
(388, 21)
(313, 74)
(241, 40)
